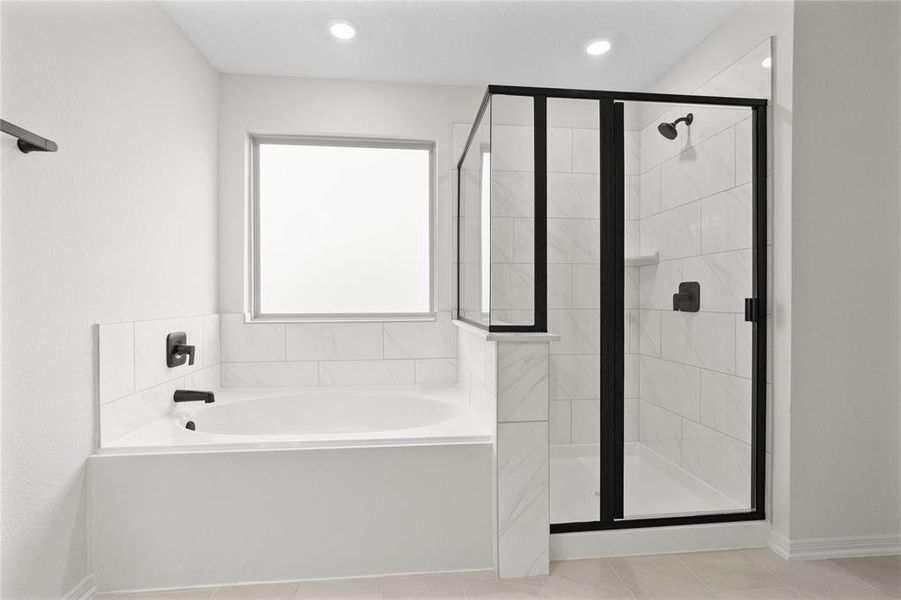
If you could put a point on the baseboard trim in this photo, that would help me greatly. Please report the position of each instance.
(835, 547)
(83, 591)
(660, 540)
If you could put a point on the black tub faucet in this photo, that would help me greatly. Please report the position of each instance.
(193, 396)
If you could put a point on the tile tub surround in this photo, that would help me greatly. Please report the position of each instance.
(134, 385)
(265, 354)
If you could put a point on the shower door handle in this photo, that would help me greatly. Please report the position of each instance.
(752, 310)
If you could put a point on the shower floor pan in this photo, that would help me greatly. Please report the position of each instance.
(653, 486)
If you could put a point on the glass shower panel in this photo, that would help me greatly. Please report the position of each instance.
(474, 225)
(512, 211)
(689, 268)
(573, 292)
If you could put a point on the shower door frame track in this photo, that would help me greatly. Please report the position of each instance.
(612, 268)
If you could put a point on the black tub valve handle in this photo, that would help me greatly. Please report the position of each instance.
(178, 351)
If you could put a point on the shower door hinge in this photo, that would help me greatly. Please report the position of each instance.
(752, 310)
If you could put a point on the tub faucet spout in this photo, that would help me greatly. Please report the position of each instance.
(193, 396)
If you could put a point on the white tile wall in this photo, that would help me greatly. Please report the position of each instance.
(434, 371)
(150, 350)
(579, 330)
(586, 151)
(208, 378)
(560, 418)
(212, 325)
(560, 286)
(512, 148)
(701, 339)
(339, 354)
(559, 150)
(696, 210)
(270, 374)
(726, 220)
(523, 507)
(661, 431)
(116, 364)
(673, 233)
(722, 461)
(649, 202)
(672, 386)
(134, 384)
(121, 417)
(573, 195)
(586, 421)
(575, 376)
(726, 404)
(431, 339)
(522, 382)
(725, 279)
(512, 194)
(334, 341)
(573, 241)
(574, 288)
(366, 372)
(251, 342)
(658, 283)
(702, 170)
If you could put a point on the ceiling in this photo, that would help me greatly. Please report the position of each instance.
(454, 43)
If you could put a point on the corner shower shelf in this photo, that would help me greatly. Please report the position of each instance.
(643, 260)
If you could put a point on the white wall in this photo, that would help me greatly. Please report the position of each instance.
(750, 25)
(119, 224)
(845, 474)
(346, 353)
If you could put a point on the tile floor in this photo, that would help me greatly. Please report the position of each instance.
(747, 574)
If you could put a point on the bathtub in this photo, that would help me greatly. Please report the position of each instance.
(279, 418)
(276, 485)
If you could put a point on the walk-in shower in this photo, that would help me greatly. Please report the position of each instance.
(647, 254)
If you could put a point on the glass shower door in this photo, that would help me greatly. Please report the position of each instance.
(688, 254)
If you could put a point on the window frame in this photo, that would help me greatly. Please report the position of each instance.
(253, 230)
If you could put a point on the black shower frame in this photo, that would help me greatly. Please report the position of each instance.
(612, 270)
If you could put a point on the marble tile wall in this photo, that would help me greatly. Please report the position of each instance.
(134, 385)
(696, 211)
(512, 218)
(574, 283)
(338, 354)
(507, 383)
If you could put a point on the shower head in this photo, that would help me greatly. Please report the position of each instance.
(669, 131)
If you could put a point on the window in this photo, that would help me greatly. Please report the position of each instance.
(342, 228)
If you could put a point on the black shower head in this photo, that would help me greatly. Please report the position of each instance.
(669, 131)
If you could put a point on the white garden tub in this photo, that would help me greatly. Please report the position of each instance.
(287, 484)
(272, 418)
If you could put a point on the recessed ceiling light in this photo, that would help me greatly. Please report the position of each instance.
(598, 47)
(342, 29)
(767, 62)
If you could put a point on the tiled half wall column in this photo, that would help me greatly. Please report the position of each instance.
(517, 370)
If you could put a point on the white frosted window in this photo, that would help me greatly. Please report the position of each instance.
(343, 228)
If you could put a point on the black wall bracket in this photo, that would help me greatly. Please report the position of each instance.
(28, 141)
(688, 298)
